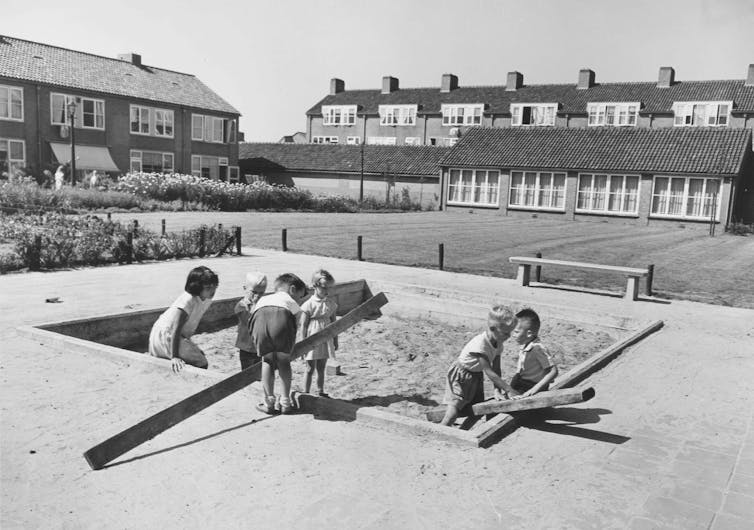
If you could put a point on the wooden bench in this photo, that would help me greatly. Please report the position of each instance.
(632, 274)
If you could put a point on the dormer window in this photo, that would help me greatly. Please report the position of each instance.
(338, 114)
(462, 114)
(533, 114)
(613, 114)
(702, 113)
(398, 114)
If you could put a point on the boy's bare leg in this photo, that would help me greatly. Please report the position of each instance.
(284, 369)
(321, 364)
(308, 378)
(268, 383)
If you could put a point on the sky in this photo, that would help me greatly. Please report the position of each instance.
(273, 59)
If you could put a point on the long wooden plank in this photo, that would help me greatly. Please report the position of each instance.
(502, 424)
(550, 398)
(124, 441)
(578, 264)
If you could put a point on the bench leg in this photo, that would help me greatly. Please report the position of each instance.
(632, 288)
(524, 274)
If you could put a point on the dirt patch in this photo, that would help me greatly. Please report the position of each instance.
(400, 363)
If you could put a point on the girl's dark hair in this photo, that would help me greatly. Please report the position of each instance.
(288, 280)
(199, 278)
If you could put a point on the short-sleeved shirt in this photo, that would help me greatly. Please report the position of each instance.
(160, 337)
(273, 323)
(534, 361)
(479, 345)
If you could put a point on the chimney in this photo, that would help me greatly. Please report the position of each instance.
(750, 77)
(336, 86)
(133, 58)
(389, 84)
(449, 82)
(586, 79)
(515, 81)
(666, 77)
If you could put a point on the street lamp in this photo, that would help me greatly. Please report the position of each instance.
(72, 115)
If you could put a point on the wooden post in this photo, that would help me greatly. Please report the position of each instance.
(135, 226)
(109, 216)
(202, 237)
(538, 270)
(238, 240)
(163, 227)
(130, 247)
(441, 256)
(36, 255)
(102, 453)
(650, 279)
(284, 237)
(359, 248)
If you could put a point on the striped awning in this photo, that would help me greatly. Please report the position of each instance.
(87, 156)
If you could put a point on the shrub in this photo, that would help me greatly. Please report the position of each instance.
(741, 229)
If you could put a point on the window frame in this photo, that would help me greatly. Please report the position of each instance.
(412, 140)
(78, 119)
(137, 156)
(398, 115)
(462, 114)
(213, 129)
(337, 115)
(353, 140)
(11, 90)
(320, 139)
(684, 198)
(688, 117)
(221, 161)
(473, 187)
(597, 113)
(517, 113)
(382, 140)
(538, 190)
(623, 195)
(13, 163)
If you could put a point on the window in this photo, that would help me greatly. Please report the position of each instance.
(543, 114)
(613, 114)
(11, 103)
(139, 120)
(412, 140)
(398, 114)
(701, 113)
(462, 114)
(233, 174)
(12, 155)
(151, 162)
(163, 123)
(324, 139)
(211, 129)
(90, 113)
(151, 122)
(353, 140)
(338, 114)
(686, 197)
(381, 140)
(540, 190)
(608, 194)
(209, 166)
(474, 186)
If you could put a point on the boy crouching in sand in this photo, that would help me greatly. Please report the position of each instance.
(274, 325)
(480, 355)
(536, 370)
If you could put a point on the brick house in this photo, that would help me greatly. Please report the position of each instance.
(128, 116)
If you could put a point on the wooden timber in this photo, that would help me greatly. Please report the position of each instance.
(102, 453)
(550, 398)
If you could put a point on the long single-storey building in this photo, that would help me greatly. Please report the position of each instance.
(644, 176)
(378, 171)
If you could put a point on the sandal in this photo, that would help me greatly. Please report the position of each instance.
(323, 394)
(266, 408)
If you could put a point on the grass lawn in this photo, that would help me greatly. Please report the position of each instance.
(689, 264)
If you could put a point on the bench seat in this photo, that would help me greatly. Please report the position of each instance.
(632, 274)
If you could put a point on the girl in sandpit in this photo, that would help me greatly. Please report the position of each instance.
(169, 338)
(318, 312)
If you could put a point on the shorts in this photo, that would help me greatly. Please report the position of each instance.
(521, 385)
(463, 386)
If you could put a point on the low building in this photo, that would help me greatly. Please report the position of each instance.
(383, 172)
(126, 115)
(642, 176)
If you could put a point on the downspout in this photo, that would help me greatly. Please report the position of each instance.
(424, 136)
(39, 131)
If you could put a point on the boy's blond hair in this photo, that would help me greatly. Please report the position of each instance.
(255, 279)
(502, 314)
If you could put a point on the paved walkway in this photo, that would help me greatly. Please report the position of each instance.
(666, 443)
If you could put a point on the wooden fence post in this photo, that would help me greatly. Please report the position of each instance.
(650, 278)
(441, 256)
(135, 226)
(538, 270)
(163, 227)
(202, 236)
(36, 254)
(238, 240)
(284, 237)
(109, 216)
(130, 247)
(359, 248)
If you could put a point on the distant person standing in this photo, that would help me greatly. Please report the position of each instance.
(94, 179)
(59, 177)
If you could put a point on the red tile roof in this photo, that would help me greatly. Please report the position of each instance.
(41, 63)
(672, 150)
(398, 160)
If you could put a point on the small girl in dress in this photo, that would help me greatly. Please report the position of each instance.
(318, 312)
(169, 338)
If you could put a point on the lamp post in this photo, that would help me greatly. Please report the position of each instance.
(72, 115)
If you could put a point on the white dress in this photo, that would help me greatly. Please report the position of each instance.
(321, 312)
(161, 336)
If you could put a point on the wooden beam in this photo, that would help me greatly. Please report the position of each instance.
(113, 447)
(550, 398)
(499, 426)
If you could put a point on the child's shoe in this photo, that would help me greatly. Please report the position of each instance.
(323, 394)
(285, 405)
(267, 406)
